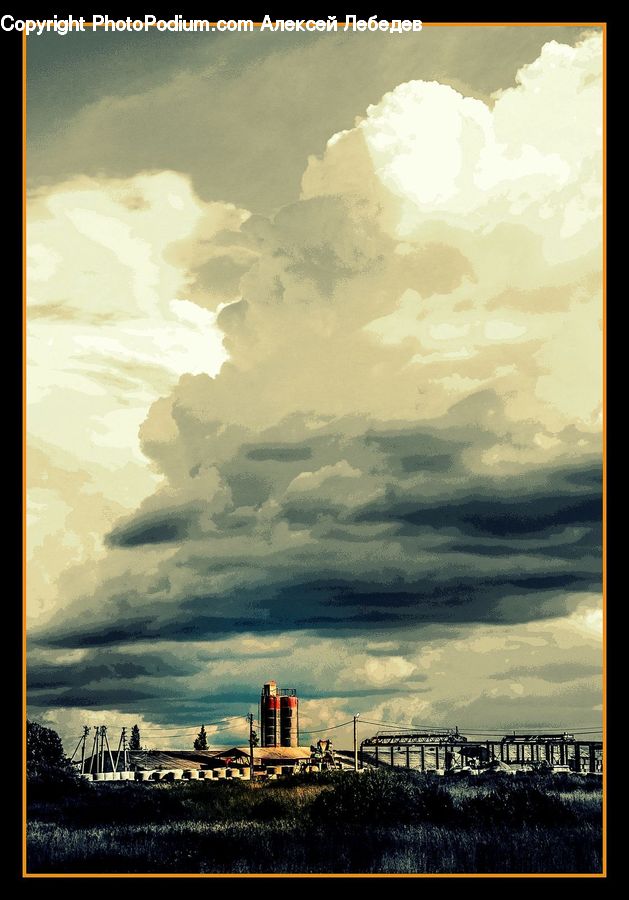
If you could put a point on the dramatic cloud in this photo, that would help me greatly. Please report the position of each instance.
(429, 675)
(239, 112)
(382, 529)
(108, 333)
(403, 445)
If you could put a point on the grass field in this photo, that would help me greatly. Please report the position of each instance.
(380, 822)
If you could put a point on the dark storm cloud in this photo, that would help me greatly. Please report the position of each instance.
(342, 534)
(312, 693)
(104, 679)
(104, 667)
(534, 515)
(480, 506)
(155, 531)
(559, 672)
(115, 694)
(279, 454)
(109, 678)
(555, 710)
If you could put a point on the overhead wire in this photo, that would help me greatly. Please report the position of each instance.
(231, 723)
(191, 728)
(189, 734)
(329, 728)
(422, 728)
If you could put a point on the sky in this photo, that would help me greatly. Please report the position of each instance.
(314, 380)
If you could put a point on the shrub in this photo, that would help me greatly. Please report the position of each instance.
(512, 803)
(380, 796)
(49, 773)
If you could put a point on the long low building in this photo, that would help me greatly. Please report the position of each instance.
(139, 760)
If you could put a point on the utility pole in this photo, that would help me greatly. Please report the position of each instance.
(102, 749)
(94, 750)
(355, 744)
(251, 741)
(81, 744)
(86, 731)
(106, 741)
(122, 744)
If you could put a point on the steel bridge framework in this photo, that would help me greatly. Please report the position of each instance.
(437, 750)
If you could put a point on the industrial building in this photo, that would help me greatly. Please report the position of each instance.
(280, 754)
(166, 765)
(279, 716)
(449, 750)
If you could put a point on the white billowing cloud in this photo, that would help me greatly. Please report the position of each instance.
(69, 724)
(104, 294)
(516, 190)
(108, 333)
(447, 156)
(582, 627)
(384, 670)
(534, 158)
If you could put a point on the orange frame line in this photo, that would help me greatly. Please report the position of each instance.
(317, 875)
(603, 873)
(24, 713)
(424, 24)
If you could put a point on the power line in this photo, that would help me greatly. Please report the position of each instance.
(570, 728)
(191, 728)
(232, 723)
(595, 731)
(157, 734)
(329, 728)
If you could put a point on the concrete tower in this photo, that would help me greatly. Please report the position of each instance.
(279, 716)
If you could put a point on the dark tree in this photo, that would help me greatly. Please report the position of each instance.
(45, 757)
(134, 740)
(200, 742)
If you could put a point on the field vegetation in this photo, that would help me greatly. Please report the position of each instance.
(374, 822)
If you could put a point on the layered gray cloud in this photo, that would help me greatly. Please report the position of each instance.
(339, 530)
(554, 672)
(420, 676)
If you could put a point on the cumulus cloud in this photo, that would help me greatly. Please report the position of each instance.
(406, 434)
(183, 90)
(108, 332)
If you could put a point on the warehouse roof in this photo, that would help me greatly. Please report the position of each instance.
(159, 759)
(259, 753)
(287, 753)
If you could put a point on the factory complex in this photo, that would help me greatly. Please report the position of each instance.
(281, 753)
